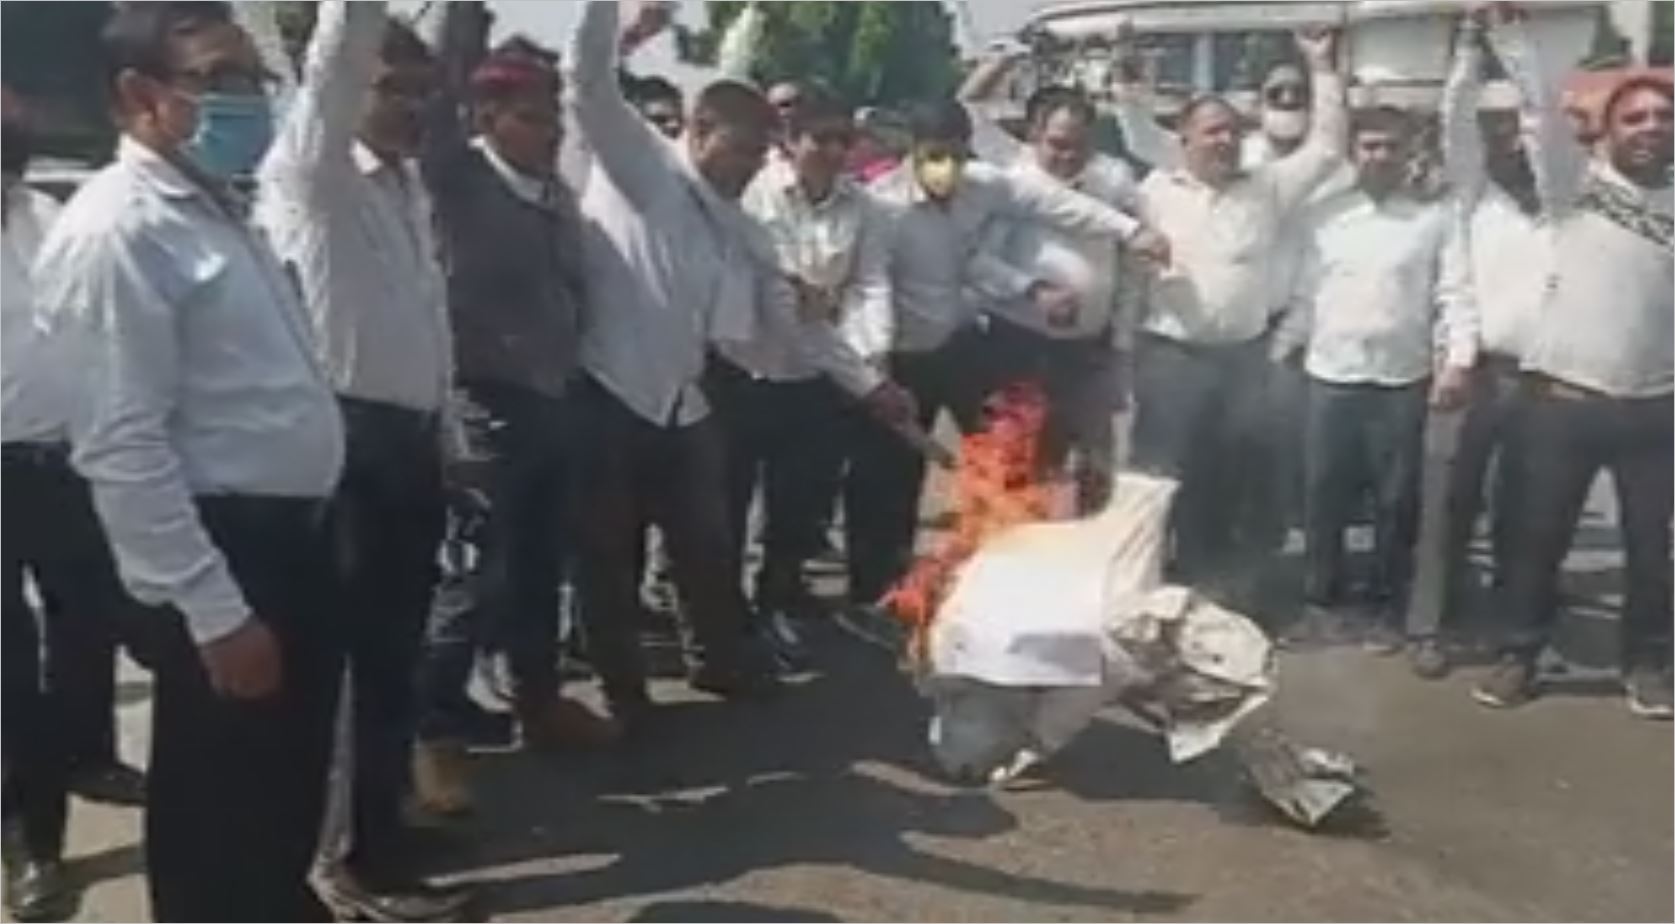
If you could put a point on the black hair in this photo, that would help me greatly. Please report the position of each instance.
(139, 36)
(643, 90)
(1199, 103)
(732, 105)
(1384, 120)
(403, 46)
(1635, 84)
(1048, 101)
(816, 105)
(939, 120)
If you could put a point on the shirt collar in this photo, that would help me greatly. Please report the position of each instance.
(531, 189)
(156, 170)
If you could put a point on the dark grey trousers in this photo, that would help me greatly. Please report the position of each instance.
(1203, 418)
(1362, 438)
(1461, 451)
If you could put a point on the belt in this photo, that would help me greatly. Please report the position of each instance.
(1548, 387)
(24, 453)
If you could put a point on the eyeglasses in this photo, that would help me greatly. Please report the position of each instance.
(1286, 95)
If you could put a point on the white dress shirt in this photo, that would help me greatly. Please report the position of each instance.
(1607, 320)
(1088, 265)
(838, 245)
(678, 266)
(196, 375)
(357, 230)
(1230, 246)
(939, 249)
(1378, 281)
(1511, 249)
(34, 380)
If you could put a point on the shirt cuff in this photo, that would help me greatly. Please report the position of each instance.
(214, 610)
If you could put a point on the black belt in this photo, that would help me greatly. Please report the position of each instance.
(25, 453)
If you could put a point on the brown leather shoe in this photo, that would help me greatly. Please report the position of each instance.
(563, 723)
(441, 781)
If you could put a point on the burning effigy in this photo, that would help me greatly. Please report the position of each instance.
(1023, 625)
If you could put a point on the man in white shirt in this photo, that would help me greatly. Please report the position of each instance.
(1201, 364)
(1599, 373)
(53, 541)
(681, 267)
(212, 443)
(1076, 353)
(1381, 274)
(785, 420)
(342, 199)
(942, 206)
(1485, 160)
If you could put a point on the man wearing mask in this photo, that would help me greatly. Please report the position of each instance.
(942, 206)
(517, 291)
(212, 443)
(1598, 366)
(684, 269)
(1201, 364)
(1510, 250)
(1075, 353)
(343, 202)
(1384, 277)
(783, 417)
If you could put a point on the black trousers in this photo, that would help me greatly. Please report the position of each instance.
(508, 597)
(52, 537)
(627, 466)
(887, 476)
(1558, 447)
(1362, 439)
(387, 518)
(1078, 378)
(237, 789)
(1203, 419)
(780, 439)
(1461, 452)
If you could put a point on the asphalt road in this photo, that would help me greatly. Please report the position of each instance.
(823, 807)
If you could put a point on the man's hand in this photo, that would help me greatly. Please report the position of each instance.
(1319, 47)
(892, 404)
(1058, 304)
(650, 18)
(1452, 389)
(1151, 245)
(245, 664)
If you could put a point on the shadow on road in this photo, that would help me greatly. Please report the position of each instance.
(719, 911)
(836, 773)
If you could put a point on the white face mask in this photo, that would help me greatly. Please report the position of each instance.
(1285, 124)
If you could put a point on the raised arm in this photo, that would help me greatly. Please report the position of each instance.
(1557, 158)
(461, 45)
(989, 140)
(1132, 98)
(639, 161)
(313, 148)
(1462, 140)
(1296, 177)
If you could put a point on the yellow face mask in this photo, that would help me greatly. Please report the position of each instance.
(938, 175)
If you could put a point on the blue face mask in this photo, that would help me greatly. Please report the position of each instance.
(234, 131)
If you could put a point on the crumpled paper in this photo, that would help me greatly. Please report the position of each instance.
(1049, 623)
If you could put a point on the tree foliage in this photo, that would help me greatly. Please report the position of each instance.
(868, 53)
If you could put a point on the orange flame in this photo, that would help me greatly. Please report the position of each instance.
(996, 486)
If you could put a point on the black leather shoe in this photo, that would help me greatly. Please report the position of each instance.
(37, 891)
(113, 783)
(353, 899)
(736, 683)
